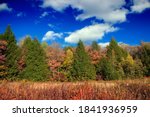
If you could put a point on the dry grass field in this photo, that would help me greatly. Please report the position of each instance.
(89, 90)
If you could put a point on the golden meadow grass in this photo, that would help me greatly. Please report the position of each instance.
(92, 90)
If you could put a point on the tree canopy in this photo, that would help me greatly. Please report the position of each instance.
(82, 68)
(36, 68)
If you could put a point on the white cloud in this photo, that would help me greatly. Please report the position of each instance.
(21, 39)
(58, 5)
(140, 5)
(51, 25)
(107, 10)
(111, 11)
(44, 14)
(20, 14)
(103, 44)
(122, 44)
(90, 33)
(4, 7)
(51, 35)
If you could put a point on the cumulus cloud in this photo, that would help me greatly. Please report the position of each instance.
(4, 7)
(140, 5)
(107, 10)
(51, 35)
(111, 11)
(90, 33)
(44, 14)
(103, 44)
(58, 5)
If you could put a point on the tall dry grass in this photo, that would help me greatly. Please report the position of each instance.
(113, 90)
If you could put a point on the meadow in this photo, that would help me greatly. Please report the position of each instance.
(138, 89)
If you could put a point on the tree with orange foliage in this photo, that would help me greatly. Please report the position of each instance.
(3, 66)
(54, 57)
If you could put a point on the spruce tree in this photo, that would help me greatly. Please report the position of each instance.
(12, 53)
(114, 51)
(106, 70)
(145, 57)
(116, 55)
(35, 62)
(82, 69)
(95, 46)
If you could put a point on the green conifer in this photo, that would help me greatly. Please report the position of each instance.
(114, 51)
(82, 68)
(106, 70)
(95, 46)
(36, 68)
(12, 53)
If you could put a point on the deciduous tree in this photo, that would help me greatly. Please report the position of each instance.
(3, 67)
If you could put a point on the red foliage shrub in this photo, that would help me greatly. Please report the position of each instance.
(73, 91)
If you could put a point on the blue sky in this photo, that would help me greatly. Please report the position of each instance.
(67, 21)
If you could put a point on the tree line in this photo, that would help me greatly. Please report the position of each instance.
(34, 61)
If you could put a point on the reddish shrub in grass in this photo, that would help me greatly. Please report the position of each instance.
(73, 91)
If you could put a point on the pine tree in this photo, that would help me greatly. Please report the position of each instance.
(95, 46)
(116, 55)
(35, 62)
(112, 69)
(12, 53)
(82, 68)
(115, 52)
(106, 70)
(145, 57)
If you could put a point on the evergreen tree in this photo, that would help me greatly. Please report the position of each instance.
(139, 69)
(116, 55)
(95, 46)
(35, 62)
(106, 70)
(145, 57)
(115, 52)
(131, 68)
(82, 68)
(12, 53)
